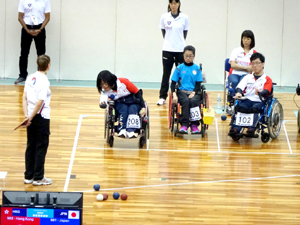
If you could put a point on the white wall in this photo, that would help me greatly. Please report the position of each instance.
(85, 37)
(2, 36)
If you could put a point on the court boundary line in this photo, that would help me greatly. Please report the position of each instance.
(73, 153)
(287, 138)
(218, 141)
(190, 183)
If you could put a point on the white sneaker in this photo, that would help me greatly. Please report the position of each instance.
(122, 133)
(26, 181)
(44, 181)
(161, 101)
(131, 135)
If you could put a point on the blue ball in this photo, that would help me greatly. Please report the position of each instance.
(116, 195)
(223, 117)
(97, 187)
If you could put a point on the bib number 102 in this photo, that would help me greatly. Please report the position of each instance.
(243, 119)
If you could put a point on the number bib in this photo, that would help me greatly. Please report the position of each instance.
(244, 119)
(133, 121)
(195, 114)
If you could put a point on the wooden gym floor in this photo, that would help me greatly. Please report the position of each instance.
(177, 180)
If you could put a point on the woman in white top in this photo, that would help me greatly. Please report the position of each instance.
(36, 107)
(240, 60)
(174, 26)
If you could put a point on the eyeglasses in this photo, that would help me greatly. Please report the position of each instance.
(189, 56)
(256, 63)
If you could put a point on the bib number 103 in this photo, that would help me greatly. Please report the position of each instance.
(133, 121)
(243, 119)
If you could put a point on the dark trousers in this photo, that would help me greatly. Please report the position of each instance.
(168, 60)
(187, 103)
(247, 106)
(125, 109)
(26, 39)
(37, 144)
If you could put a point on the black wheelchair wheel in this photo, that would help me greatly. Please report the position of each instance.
(105, 123)
(111, 141)
(142, 142)
(203, 129)
(175, 131)
(299, 120)
(275, 120)
(236, 138)
(265, 137)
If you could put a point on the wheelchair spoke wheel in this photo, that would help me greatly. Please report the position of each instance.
(299, 120)
(275, 120)
(265, 137)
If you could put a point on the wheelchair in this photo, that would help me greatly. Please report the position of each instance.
(229, 105)
(271, 118)
(110, 127)
(174, 112)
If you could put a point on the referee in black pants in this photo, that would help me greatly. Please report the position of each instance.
(33, 16)
(36, 107)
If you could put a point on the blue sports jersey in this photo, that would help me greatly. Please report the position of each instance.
(189, 75)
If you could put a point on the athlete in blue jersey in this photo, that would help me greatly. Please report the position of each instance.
(189, 77)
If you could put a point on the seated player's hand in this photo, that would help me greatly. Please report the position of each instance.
(192, 95)
(143, 112)
(238, 95)
(175, 98)
(103, 105)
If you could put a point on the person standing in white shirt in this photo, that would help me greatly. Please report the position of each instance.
(36, 100)
(33, 15)
(174, 26)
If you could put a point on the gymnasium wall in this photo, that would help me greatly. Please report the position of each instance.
(85, 37)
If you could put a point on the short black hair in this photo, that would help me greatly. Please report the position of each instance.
(189, 48)
(257, 55)
(177, 1)
(107, 77)
(249, 34)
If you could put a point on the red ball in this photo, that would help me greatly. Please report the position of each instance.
(105, 196)
(124, 197)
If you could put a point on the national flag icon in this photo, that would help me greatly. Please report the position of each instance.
(73, 215)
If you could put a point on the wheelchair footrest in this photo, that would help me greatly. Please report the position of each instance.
(251, 136)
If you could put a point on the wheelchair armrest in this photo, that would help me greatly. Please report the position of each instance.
(111, 103)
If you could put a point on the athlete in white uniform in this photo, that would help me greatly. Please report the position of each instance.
(174, 26)
(36, 100)
(34, 15)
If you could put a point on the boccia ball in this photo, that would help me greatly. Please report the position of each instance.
(123, 197)
(116, 195)
(105, 196)
(96, 187)
(223, 117)
(100, 197)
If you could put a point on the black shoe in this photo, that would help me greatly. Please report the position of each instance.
(250, 133)
(20, 80)
(232, 132)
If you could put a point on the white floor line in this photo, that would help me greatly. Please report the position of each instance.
(287, 138)
(218, 135)
(189, 183)
(191, 151)
(73, 153)
(155, 117)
